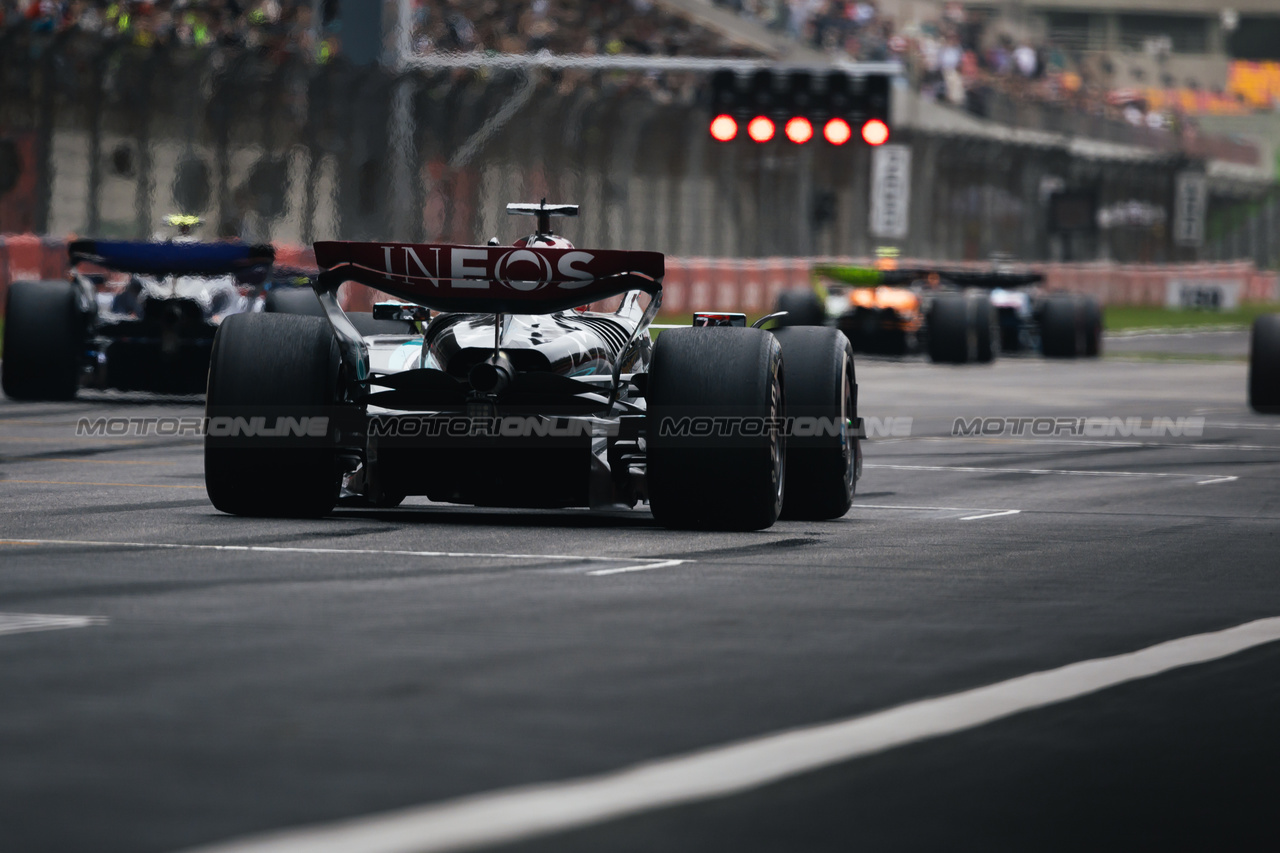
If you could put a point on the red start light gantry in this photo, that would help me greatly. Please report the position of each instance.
(760, 129)
(837, 131)
(799, 130)
(724, 128)
(875, 132)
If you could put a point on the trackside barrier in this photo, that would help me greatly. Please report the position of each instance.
(750, 285)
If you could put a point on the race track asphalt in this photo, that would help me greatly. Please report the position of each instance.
(220, 693)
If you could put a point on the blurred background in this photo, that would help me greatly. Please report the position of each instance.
(1120, 131)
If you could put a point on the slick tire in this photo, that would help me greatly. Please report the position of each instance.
(274, 367)
(823, 466)
(293, 300)
(985, 328)
(953, 336)
(44, 336)
(702, 475)
(1062, 327)
(803, 308)
(1092, 311)
(1264, 365)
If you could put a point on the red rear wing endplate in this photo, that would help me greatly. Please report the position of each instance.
(500, 279)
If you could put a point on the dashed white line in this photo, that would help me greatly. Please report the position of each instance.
(532, 811)
(1216, 480)
(21, 623)
(991, 515)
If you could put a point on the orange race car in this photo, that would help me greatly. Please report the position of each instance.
(956, 316)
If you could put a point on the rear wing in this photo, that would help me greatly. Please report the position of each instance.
(162, 259)
(484, 279)
(871, 277)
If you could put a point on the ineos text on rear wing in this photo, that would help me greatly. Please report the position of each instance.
(499, 279)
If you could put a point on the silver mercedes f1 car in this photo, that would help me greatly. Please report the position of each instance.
(502, 389)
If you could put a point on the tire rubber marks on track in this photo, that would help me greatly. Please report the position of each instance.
(21, 623)
(514, 814)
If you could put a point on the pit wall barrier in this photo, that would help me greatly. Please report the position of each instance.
(752, 285)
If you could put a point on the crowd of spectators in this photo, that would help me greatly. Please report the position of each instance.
(194, 23)
(586, 27)
(592, 27)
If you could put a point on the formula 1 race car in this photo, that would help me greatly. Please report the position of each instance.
(1264, 365)
(153, 331)
(508, 396)
(956, 316)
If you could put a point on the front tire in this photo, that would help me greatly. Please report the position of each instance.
(822, 467)
(274, 367)
(1264, 365)
(715, 455)
(44, 337)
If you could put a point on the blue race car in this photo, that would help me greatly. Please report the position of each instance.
(153, 331)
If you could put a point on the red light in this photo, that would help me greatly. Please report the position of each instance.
(723, 128)
(837, 131)
(799, 130)
(875, 132)
(760, 129)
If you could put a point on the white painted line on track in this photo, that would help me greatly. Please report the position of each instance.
(282, 549)
(666, 564)
(21, 623)
(515, 814)
(1216, 480)
(980, 470)
(991, 515)
(933, 508)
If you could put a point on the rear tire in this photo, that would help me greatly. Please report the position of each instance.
(803, 308)
(1062, 327)
(1092, 310)
(1264, 365)
(707, 481)
(44, 338)
(823, 469)
(272, 366)
(293, 300)
(986, 330)
(953, 336)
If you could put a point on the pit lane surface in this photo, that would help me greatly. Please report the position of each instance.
(156, 698)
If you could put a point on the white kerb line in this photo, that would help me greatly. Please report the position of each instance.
(21, 623)
(991, 515)
(514, 814)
